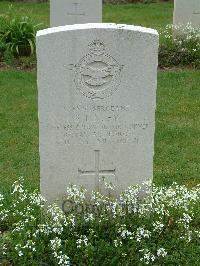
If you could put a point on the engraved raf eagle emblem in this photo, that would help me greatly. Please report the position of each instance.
(98, 77)
(98, 74)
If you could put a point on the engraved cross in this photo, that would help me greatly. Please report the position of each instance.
(76, 13)
(97, 172)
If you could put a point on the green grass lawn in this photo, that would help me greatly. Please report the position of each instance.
(177, 139)
(19, 128)
(177, 153)
(151, 15)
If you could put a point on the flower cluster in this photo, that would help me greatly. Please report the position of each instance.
(145, 225)
(180, 46)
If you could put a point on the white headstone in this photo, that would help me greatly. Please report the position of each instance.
(187, 11)
(67, 12)
(97, 100)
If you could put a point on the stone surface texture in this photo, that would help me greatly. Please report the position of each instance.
(97, 99)
(68, 12)
(187, 11)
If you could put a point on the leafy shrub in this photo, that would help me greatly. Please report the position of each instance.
(180, 46)
(160, 229)
(17, 35)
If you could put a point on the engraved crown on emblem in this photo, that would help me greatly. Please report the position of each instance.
(97, 47)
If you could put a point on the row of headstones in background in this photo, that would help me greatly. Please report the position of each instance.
(97, 100)
(187, 11)
(67, 12)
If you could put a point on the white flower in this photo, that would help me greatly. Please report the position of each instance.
(98, 199)
(4, 249)
(186, 218)
(197, 232)
(3, 214)
(30, 245)
(70, 221)
(117, 243)
(109, 185)
(18, 186)
(55, 245)
(43, 229)
(20, 254)
(18, 248)
(63, 259)
(56, 214)
(148, 257)
(1, 197)
(161, 252)
(75, 194)
(89, 217)
(37, 199)
(187, 236)
(82, 241)
(142, 233)
(124, 233)
(158, 226)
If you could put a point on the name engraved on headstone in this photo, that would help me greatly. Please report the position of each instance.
(90, 126)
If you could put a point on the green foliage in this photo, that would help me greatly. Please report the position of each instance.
(180, 46)
(17, 35)
(8, 57)
(160, 229)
